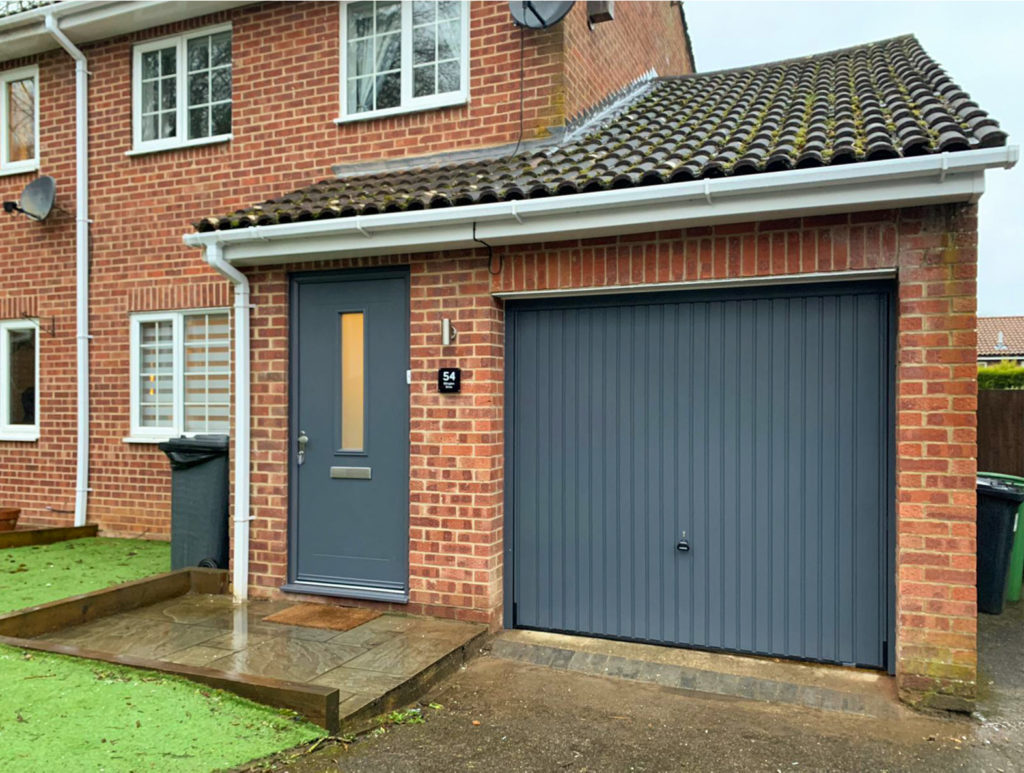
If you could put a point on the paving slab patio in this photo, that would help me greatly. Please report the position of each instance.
(365, 664)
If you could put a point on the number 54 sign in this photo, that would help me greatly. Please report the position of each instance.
(449, 380)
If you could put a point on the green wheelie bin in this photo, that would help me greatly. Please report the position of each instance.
(1015, 575)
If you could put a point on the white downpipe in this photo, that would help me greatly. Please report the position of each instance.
(242, 518)
(81, 263)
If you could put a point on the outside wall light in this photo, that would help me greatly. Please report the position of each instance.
(448, 332)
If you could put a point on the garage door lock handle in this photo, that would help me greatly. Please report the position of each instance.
(300, 455)
(683, 546)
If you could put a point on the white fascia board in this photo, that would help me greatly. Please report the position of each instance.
(918, 181)
(85, 21)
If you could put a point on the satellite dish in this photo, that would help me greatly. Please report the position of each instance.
(37, 198)
(538, 14)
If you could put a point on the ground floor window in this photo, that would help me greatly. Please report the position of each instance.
(180, 373)
(19, 380)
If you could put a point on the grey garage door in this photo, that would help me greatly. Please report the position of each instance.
(754, 425)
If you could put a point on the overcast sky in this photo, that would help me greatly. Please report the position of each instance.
(980, 45)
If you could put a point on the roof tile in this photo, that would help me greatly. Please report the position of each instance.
(868, 103)
(1012, 331)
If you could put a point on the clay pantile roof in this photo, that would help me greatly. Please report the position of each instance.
(877, 101)
(1012, 342)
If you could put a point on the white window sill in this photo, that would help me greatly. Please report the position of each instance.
(146, 151)
(454, 100)
(19, 437)
(19, 167)
(153, 440)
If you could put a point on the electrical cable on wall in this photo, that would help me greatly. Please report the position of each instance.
(522, 80)
(490, 255)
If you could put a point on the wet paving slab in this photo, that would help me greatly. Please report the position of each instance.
(210, 631)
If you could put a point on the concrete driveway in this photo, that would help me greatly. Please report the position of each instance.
(504, 715)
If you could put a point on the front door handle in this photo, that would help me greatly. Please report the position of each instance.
(301, 441)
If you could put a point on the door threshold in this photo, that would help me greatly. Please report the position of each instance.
(347, 592)
(832, 688)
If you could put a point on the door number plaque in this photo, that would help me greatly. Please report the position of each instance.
(449, 380)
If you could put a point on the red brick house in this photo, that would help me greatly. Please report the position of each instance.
(567, 337)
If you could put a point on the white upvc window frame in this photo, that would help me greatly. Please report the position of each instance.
(143, 434)
(180, 140)
(409, 104)
(28, 164)
(16, 432)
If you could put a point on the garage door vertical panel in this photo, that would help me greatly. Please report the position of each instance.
(696, 473)
(765, 557)
(750, 563)
(809, 488)
(828, 460)
(872, 490)
(524, 482)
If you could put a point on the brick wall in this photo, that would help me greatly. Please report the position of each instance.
(937, 458)
(38, 280)
(286, 97)
(457, 480)
(600, 61)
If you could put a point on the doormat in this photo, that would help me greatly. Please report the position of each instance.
(323, 616)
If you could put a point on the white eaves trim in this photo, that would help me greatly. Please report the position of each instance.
(84, 21)
(921, 180)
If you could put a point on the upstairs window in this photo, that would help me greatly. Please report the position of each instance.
(403, 56)
(182, 90)
(19, 119)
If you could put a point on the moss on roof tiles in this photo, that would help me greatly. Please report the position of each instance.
(876, 101)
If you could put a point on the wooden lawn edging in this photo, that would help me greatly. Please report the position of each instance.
(317, 703)
(21, 538)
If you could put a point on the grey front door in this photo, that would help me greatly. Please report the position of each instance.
(707, 469)
(349, 435)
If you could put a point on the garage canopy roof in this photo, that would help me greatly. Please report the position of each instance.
(877, 101)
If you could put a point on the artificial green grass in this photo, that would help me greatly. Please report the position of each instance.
(59, 713)
(42, 573)
(64, 713)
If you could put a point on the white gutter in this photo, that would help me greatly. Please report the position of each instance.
(81, 264)
(83, 21)
(129, 11)
(43, 12)
(921, 180)
(242, 518)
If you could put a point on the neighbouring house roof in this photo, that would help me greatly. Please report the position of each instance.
(871, 102)
(1000, 336)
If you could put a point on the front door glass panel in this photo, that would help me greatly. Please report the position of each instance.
(353, 379)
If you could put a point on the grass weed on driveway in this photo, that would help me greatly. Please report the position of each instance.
(64, 713)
